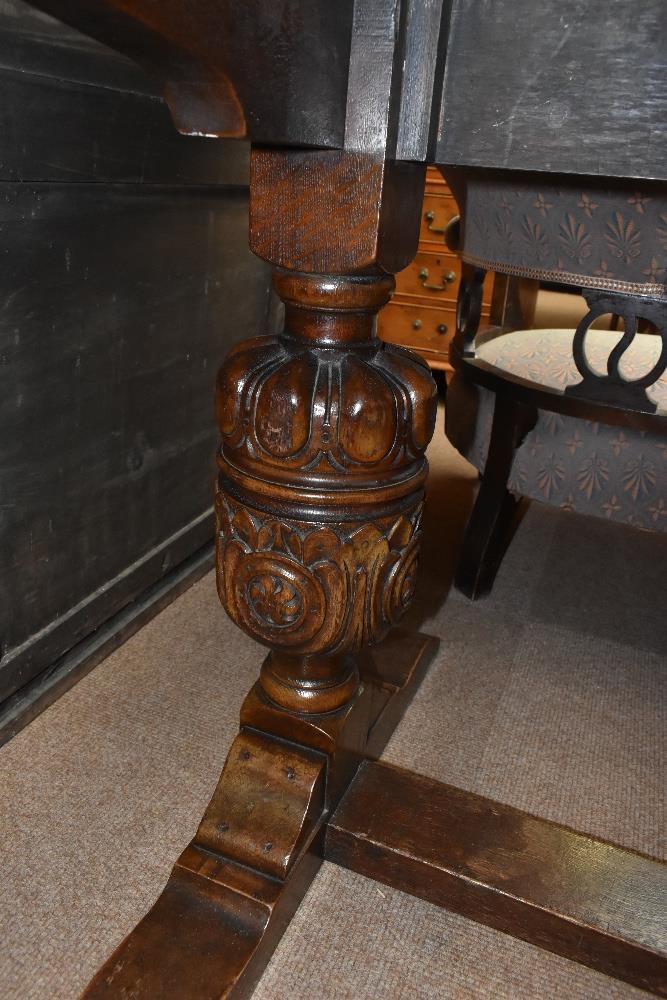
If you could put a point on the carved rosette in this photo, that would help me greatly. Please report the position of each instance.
(309, 588)
(322, 472)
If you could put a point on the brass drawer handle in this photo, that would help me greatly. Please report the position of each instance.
(441, 327)
(448, 277)
(430, 218)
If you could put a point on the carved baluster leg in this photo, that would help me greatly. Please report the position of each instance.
(318, 505)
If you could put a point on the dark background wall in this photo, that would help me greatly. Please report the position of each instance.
(124, 277)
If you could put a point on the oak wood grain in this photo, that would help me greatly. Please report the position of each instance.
(564, 891)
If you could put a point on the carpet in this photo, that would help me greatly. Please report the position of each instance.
(549, 696)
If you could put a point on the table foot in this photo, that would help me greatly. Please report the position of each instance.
(235, 888)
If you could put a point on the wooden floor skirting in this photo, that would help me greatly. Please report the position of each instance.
(31, 700)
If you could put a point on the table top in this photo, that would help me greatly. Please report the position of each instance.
(567, 87)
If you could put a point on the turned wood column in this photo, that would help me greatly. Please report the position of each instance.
(324, 426)
(318, 505)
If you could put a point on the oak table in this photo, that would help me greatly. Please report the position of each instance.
(322, 469)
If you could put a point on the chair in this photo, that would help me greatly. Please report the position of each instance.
(573, 418)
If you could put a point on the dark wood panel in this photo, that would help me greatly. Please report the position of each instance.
(117, 305)
(56, 130)
(74, 110)
(584, 92)
(275, 72)
(569, 87)
(33, 42)
(63, 673)
(426, 26)
(564, 891)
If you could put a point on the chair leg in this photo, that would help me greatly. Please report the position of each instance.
(493, 516)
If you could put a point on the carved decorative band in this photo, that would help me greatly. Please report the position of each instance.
(343, 501)
(568, 277)
(358, 293)
(307, 587)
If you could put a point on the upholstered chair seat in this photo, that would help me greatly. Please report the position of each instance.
(595, 468)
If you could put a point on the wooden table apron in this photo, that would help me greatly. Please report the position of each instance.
(321, 469)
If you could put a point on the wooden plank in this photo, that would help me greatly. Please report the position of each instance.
(582, 898)
(423, 64)
(118, 303)
(74, 110)
(566, 87)
(31, 42)
(45, 647)
(375, 32)
(274, 72)
(19, 710)
(56, 130)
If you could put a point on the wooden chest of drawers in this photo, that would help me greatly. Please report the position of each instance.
(422, 314)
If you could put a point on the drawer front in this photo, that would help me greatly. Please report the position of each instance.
(422, 316)
(437, 211)
(419, 327)
(436, 182)
(433, 276)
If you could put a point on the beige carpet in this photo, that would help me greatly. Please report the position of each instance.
(549, 696)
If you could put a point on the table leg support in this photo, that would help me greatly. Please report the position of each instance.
(318, 507)
(582, 898)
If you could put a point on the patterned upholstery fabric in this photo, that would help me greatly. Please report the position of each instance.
(545, 357)
(593, 468)
(612, 238)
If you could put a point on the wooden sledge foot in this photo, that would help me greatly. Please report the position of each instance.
(235, 888)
